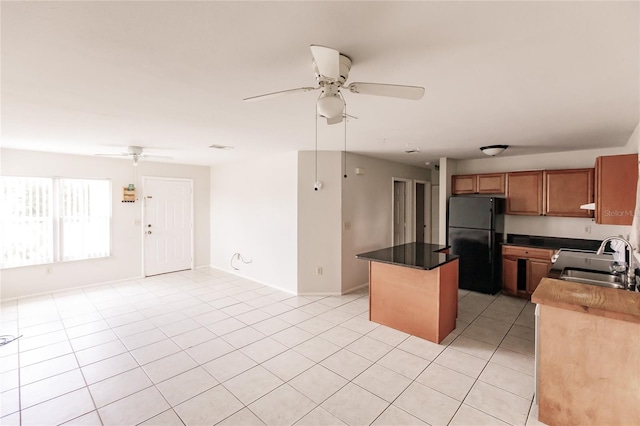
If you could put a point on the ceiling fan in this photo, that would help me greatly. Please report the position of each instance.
(332, 70)
(136, 153)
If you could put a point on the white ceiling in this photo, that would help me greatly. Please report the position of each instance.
(95, 77)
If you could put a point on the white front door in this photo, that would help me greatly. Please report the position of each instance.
(168, 225)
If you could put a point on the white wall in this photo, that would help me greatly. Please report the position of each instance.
(254, 213)
(319, 222)
(552, 226)
(126, 260)
(367, 208)
(448, 168)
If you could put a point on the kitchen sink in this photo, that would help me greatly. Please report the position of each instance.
(599, 278)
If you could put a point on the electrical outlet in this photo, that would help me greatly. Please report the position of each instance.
(48, 270)
(347, 226)
(587, 229)
(318, 270)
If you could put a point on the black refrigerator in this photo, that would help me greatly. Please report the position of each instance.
(475, 232)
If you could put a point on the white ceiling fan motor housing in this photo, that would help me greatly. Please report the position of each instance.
(345, 67)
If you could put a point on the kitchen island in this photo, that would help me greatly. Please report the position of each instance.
(588, 354)
(414, 288)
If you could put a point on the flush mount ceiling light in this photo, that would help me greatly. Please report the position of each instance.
(493, 150)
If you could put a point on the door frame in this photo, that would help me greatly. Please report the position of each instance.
(427, 209)
(408, 209)
(144, 213)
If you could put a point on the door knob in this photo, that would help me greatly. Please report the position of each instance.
(148, 232)
(149, 225)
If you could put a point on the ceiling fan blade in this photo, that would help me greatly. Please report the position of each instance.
(390, 90)
(327, 61)
(112, 155)
(276, 94)
(155, 157)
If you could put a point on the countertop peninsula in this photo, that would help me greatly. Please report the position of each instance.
(590, 299)
(412, 255)
(588, 354)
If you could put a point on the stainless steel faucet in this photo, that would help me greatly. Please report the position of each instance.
(630, 267)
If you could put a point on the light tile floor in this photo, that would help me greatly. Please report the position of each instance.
(206, 347)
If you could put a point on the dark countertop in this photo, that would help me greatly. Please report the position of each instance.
(411, 255)
(554, 243)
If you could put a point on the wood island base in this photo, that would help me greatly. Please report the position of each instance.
(416, 301)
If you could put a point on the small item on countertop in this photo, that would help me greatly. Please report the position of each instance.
(619, 250)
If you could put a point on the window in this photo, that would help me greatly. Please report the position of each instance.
(47, 220)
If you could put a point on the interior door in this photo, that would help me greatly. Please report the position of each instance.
(399, 212)
(435, 214)
(422, 203)
(420, 223)
(168, 230)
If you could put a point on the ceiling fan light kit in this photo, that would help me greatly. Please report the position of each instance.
(493, 150)
(331, 69)
(330, 106)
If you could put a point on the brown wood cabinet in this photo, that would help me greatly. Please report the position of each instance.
(616, 180)
(491, 183)
(523, 268)
(510, 276)
(464, 184)
(486, 183)
(566, 190)
(524, 193)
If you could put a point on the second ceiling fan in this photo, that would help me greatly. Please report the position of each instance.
(332, 70)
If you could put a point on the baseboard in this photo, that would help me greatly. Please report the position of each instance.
(351, 290)
(320, 293)
(233, 272)
(78, 287)
(334, 293)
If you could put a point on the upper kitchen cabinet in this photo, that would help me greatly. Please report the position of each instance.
(524, 193)
(463, 184)
(491, 183)
(616, 181)
(566, 190)
(486, 183)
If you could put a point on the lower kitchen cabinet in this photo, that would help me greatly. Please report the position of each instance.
(523, 268)
(510, 276)
(537, 269)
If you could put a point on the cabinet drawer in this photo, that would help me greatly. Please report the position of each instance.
(527, 252)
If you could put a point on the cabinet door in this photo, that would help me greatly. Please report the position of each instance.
(616, 180)
(463, 184)
(536, 270)
(491, 183)
(524, 193)
(567, 190)
(510, 276)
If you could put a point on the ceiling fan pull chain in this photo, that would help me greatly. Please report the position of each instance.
(315, 186)
(345, 137)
